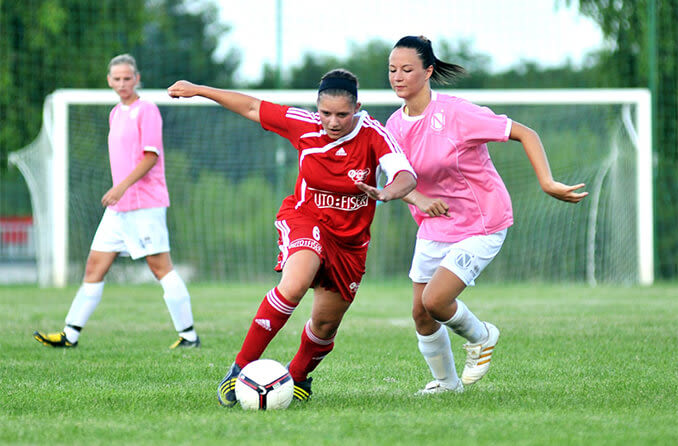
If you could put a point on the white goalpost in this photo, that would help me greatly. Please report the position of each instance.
(227, 177)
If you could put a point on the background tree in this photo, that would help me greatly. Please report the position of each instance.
(626, 24)
(180, 44)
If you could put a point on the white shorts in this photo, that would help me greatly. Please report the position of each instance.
(466, 259)
(137, 233)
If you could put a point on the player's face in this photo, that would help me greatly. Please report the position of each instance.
(123, 80)
(406, 72)
(337, 115)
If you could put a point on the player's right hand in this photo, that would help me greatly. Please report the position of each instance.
(182, 89)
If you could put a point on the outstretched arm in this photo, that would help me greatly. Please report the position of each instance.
(402, 184)
(537, 156)
(239, 103)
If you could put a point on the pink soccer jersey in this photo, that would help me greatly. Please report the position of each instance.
(329, 169)
(134, 130)
(447, 147)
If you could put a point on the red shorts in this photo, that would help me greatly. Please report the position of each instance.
(342, 266)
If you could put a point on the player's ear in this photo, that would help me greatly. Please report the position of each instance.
(357, 107)
(109, 80)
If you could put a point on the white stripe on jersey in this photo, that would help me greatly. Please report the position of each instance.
(278, 304)
(284, 229)
(303, 194)
(362, 117)
(302, 115)
(390, 140)
(313, 134)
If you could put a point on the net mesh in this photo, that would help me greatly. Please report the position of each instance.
(227, 177)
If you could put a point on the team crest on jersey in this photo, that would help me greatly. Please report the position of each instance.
(437, 121)
(358, 174)
(354, 287)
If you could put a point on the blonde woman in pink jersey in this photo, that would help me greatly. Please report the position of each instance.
(134, 222)
(460, 204)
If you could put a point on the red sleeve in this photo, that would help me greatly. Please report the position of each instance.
(288, 122)
(272, 118)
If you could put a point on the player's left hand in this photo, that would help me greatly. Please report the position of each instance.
(112, 196)
(373, 192)
(564, 192)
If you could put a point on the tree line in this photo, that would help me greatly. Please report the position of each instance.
(51, 44)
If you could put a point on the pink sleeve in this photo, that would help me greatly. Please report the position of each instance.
(477, 125)
(150, 128)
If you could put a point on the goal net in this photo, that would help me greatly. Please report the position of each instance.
(227, 177)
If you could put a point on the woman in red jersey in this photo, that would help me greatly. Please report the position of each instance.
(324, 226)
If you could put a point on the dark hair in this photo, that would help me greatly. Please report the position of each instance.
(339, 82)
(443, 72)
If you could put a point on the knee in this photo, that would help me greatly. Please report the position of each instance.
(324, 329)
(292, 292)
(435, 303)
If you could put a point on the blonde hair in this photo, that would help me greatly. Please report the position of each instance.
(123, 59)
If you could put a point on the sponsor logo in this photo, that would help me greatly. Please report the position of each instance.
(341, 152)
(437, 121)
(339, 201)
(358, 174)
(307, 243)
(264, 323)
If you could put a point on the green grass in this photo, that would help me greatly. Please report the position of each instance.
(574, 365)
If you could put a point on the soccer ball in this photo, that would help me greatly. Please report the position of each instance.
(264, 384)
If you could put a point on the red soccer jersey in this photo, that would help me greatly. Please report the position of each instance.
(328, 168)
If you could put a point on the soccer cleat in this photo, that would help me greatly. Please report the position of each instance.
(54, 339)
(441, 387)
(226, 390)
(185, 343)
(302, 389)
(478, 356)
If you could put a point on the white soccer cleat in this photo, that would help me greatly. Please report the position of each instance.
(441, 387)
(478, 356)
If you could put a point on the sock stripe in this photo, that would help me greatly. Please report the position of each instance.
(277, 302)
(315, 339)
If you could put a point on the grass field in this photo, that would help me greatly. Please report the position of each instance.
(574, 365)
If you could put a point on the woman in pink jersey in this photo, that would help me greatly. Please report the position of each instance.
(460, 204)
(324, 227)
(134, 221)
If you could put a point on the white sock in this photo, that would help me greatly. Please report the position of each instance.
(86, 300)
(438, 354)
(467, 325)
(179, 304)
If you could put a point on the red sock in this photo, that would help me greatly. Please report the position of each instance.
(311, 351)
(271, 316)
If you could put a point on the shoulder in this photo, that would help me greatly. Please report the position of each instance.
(300, 115)
(371, 125)
(449, 101)
(144, 105)
(460, 107)
(395, 116)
